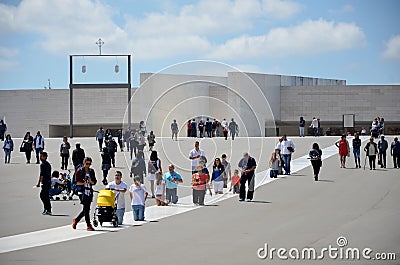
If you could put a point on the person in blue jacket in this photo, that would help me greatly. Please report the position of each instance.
(8, 147)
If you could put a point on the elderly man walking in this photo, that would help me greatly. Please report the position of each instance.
(247, 166)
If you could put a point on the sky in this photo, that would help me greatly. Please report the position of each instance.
(358, 41)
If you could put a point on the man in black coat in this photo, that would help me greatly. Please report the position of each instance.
(78, 155)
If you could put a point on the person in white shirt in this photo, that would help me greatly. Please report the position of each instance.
(119, 187)
(195, 156)
(38, 143)
(314, 125)
(287, 148)
(138, 194)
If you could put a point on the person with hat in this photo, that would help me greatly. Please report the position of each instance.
(382, 147)
(78, 155)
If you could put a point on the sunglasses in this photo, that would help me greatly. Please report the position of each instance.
(88, 164)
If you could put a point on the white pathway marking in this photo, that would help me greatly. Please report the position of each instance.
(153, 213)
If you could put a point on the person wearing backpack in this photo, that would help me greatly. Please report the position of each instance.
(64, 153)
(316, 161)
(84, 179)
(138, 168)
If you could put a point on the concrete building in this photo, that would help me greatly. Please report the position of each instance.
(262, 104)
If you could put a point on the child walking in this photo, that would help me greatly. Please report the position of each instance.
(235, 184)
(160, 190)
(138, 194)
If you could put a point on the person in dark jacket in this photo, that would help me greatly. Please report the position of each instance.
(64, 153)
(193, 128)
(371, 150)
(356, 150)
(45, 180)
(105, 163)
(316, 161)
(138, 168)
(27, 145)
(382, 147)
(302, 123)
(120, 140)
(8, 147)
(208, 127)
(3, 129)
(78, 155)
(395, 152)
(85, 178)
(112, 149)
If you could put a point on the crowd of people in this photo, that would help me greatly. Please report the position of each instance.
(164, 185)
(209, 128)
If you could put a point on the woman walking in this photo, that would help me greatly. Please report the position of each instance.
(64, 153)
(275, 162)
(154, 167)
(8, 147)
(218, 176)
(371, 150)
(316, 161)
(27, 146)
(344, 150)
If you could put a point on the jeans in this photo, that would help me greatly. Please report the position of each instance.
(396, 160)
(315, 132)
(171, 195)
(357, 158)
(138, 212)
(233, 135)
(250, 181)
(382, 157)
(120, 215)
(301, 131)
(7, 155)
(286, 161)
(38, 150)
(100, 143)
(86, 201)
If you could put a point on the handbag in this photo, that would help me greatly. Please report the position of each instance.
(22, 148)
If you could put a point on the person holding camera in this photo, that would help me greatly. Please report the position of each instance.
(84, 179)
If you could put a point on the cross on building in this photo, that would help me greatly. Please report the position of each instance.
(100, 43)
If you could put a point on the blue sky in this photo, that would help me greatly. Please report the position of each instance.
(358, 41)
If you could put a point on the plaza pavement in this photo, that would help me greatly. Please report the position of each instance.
(293, 211)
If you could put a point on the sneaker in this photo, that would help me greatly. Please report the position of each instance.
(74, 223)
(241, 200)
(44, 212)
(48, 213)
(90, 228)
(248, 200)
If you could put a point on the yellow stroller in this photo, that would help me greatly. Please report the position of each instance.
(106, 208)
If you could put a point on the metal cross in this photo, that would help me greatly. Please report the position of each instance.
(100, 43)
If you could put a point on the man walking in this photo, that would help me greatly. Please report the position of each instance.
(247, 166)
(100, 137)
(45, 180)
(172, 179)
(233, 128)
(138, 167)
(120, 188)
(38, 144)
(112, 149)
(208, 127)
(174, 130)
(195, 155)
(78, 155)
(395, 152)
(382, 147)
(287, 148)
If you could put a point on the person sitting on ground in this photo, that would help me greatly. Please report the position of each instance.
(57, 181)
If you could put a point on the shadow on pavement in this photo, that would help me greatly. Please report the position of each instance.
(261, 202)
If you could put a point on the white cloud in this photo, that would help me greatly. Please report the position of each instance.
(281, 9)
(309, 37)
(392, 48)
(8, 52)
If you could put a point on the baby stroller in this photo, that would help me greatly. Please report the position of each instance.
(106, 208)
(61, 187)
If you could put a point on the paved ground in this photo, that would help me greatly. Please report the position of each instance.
(293, 211)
